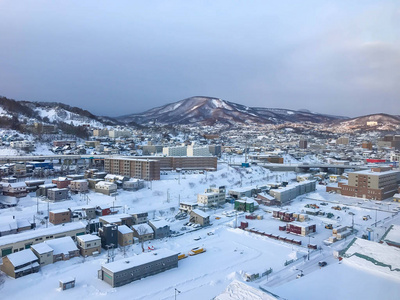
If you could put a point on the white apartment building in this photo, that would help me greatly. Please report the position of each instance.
(175, 151)
(213, 196)
(198, 151)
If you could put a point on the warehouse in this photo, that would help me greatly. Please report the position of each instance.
(126, 270)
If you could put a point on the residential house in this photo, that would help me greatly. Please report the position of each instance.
(139, 218)
(60, 216)
(20, 264)
(187, 207)
(63, 248)
(199, 217)
(79, 186)
(16, 189)
(106, 188)
(161, 228)
(56, 194)
(143, 232)
(125, 236)
(89, 244)
(61, 182)
(44, 253)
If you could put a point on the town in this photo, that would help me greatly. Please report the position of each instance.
(199, 210)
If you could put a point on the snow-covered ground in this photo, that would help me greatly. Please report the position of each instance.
(230, 252)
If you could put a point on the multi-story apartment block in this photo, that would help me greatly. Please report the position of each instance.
(198, 151)
(376, 184)
(147, 169)
(175, 151)
(212, 196)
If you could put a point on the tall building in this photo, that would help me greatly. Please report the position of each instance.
(175, 151)
(303, 144)
(147, 169)
(376, 184)
(198, 151)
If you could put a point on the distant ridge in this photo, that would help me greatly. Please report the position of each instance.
(204, 110)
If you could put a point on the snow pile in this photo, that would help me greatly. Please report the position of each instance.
(237, 290)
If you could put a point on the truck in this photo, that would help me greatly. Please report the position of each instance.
(328, 226)
(181, 256)
(196, 251)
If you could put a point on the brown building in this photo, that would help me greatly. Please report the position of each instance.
(61, 182)
(147, 169)
(367, 145)
(376, 184)
(125, 236)
(60, 216)
(303, 144)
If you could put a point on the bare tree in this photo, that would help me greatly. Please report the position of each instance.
(142, 230)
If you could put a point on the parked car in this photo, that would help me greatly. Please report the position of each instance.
(322, 263)
(299, 275)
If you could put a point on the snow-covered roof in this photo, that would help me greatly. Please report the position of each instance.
(123, 229)
(62, 245)
(59, 211)
(42, 248)
(14, 238)
(115, 218)
(22, 257)
(393, 235)
(200, 213)
(138, 260)
(159, 223)
(370, 172)
(143, 228)
(88, 237)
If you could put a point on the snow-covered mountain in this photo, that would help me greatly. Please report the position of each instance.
(208, 110)
(49, 112)
(378, 122)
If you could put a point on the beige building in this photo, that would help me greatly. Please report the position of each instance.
(143, 232)
(213, 196)
(44, 253)
(88, 244)
(106, 188)
(79, 186)
(125, 236)
(20, 264)
(199, 217)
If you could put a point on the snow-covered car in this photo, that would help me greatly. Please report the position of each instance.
(196, 225)
(299, 275)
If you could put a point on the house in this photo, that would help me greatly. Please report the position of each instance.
(93, 181)
(161, 228)
(119, 219)
(106, 188)
(88, 244)
(125, 236)
(59, 216)
(187, 207)
(133, 184)
(143, 232)
(140, 218)
(8, 225)
(79, 186)
(56, 194)
(86, 212)
(137, 267)
(199, 217)
(103, 211)
(44, 253)
(109, 236)
(16, 189)
(61, 182)
(43, 189)
(20, 263)
(64, 248)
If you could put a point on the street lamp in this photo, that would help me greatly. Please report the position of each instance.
(177, 291)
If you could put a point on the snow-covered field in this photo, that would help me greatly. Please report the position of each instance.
(230, 252)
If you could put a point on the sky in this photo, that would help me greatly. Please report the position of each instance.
(120, 57)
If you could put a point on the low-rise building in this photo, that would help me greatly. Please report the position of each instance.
(56, 194)
(125, 236)
(88, 244)
(20, 264)
(213, 196)
(161, 228)
(187, 207)
(140, 218)
(64, 248)
(79, 186)
(124, 271)
(60, 216)
(301, 228)
(198, 216)
(119, 219)
(143, 232)
(106, 188)
(16, 189)
(44, 253)
(61, 182)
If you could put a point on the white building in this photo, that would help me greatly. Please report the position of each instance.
(198, 151)
(175, 151)
(212, 196)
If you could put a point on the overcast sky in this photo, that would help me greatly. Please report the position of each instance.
(120, 57)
